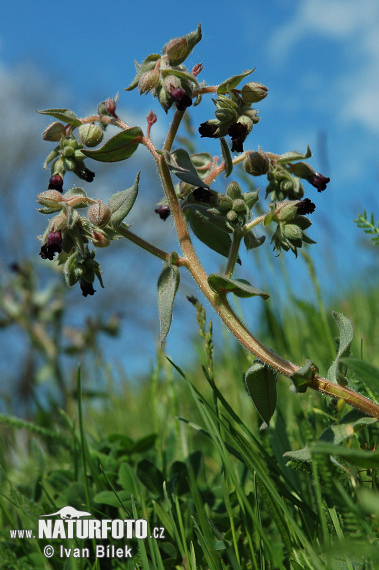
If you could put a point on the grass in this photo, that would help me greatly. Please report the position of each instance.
(184, 450)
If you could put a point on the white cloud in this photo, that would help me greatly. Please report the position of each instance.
(354, 26)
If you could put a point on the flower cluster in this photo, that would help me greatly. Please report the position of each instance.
(166, 76)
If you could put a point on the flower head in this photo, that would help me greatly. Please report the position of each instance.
(163, 212)
(52, 246)
(56, 183)
(238, 133)
(181, 98)
(207, 130)
(305, 206)
(87, 288)
(318, 181)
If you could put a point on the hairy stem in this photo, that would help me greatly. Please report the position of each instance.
(222, 306)
(148, 246)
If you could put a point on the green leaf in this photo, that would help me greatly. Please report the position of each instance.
(147, 65)
(64, 115)
(261, 385)
(337, 433)
(292, 155)
(240, 287)
(119, 147)
(109, 498)
(180, 164)
(302, 377)
(368, 373)
(192, 39)
(122, 202)
(233, 81)
(346, 337)
(208, 228)
(168, 283)
(299, 455)
(150, 476)
(359, 457)
(227, 157)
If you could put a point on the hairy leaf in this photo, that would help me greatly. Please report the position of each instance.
(292, 155)
(233, 81)
(168, 283)
(346, 337)
(122, 202)
(64, 115)
(119, 147)
(240, 287)
(180, 164)
(261, 385)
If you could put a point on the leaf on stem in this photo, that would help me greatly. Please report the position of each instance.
(304, 375)
(346, 337)
(122, 202)
(209, 228)
(261, 384)
(180, 164)
(240, 287)
(292, 155)
(119, 147)
(227, 157)
(64, 115)
(233, 81)
(168, 283)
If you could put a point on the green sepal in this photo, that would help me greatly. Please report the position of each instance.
(168, 283)
(122, 202)
(240, 287)
(261, 384)
(292, 155)
(233, 81)
(147, 65)
(53, 154)
(182, 74)
(302, 377)
(119, 147)
(192, 38)
(227, 157)
(64, 115)
(346, 337)
(252, 241)
(180, 164)
(209, 228)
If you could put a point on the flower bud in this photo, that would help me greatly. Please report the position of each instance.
(52, 246)
(234, 191)
(90, 134)
(83, 172)
(87, 288)
(181, 98)
(256, 163)
(163, 211)
(56, 183)
(176, 48)
(292, 232)
(231, 216)
(148, 81)
(99, 240)
(99, 214)
(51, 199)
(110, 106)
(239, 205)
(304, 170)
(253, 92)
(54, 132)
(226, 203)
(238, 133)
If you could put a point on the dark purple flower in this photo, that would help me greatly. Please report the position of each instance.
(87, 288)
(163, 212)
(207, 130)
(52, 246)
(305, 206)
(56, 183)
(181, 98)
(318, 181)
(202, 195)
(84, 173)
(238, 133)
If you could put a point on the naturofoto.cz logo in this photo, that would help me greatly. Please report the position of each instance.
(70, 523)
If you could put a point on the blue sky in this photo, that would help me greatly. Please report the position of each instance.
(319, 59)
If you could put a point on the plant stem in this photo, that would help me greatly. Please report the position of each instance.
(222, 306)
(173, 130)
(148, 246)
(233, 254)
